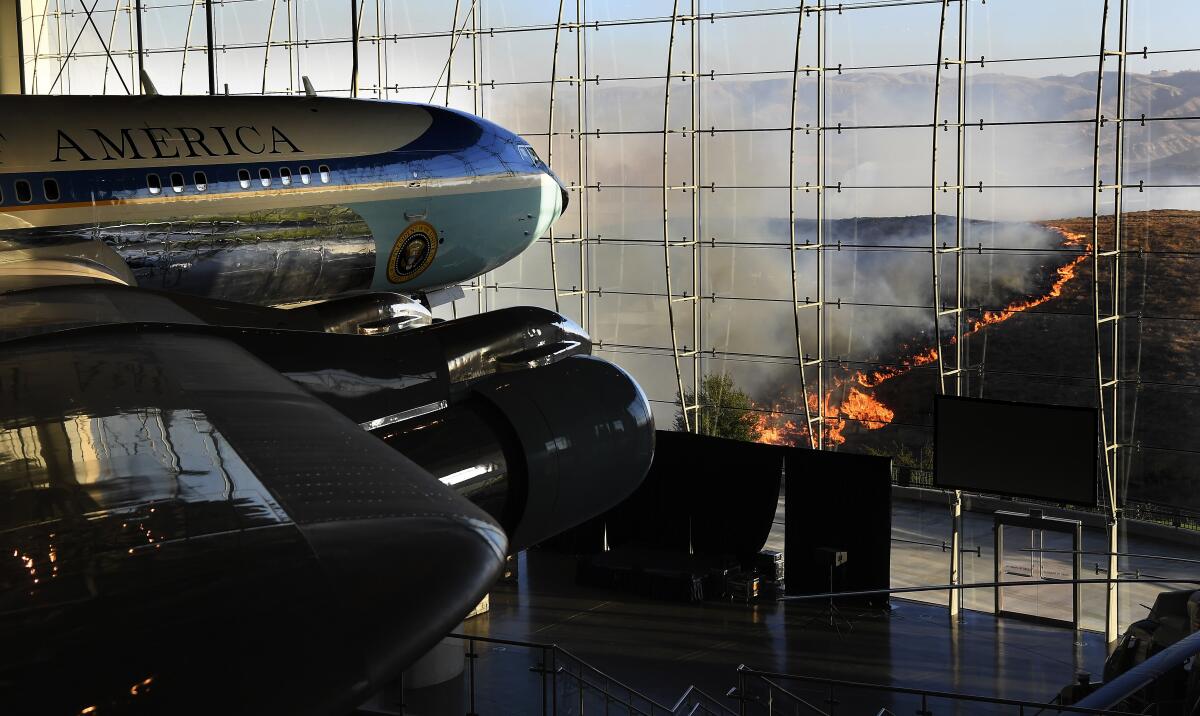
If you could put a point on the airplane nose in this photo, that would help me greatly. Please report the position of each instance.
(562, 188)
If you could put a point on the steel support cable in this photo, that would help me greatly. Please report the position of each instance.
(455, 36)
(450, 53)
(66, 58)
(112, 31)
(266, 49)
(187, 40)
(800, 357)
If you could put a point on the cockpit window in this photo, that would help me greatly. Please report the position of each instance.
(530, 153)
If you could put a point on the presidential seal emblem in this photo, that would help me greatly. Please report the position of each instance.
(413, 252)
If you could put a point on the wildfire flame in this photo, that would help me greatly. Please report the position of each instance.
(777, 425)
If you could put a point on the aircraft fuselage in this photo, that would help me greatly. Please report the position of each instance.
(272, 200)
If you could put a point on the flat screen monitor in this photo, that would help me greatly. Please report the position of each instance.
(1045, 452)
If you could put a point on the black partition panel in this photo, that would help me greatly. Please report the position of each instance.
(1046, 452)
(717, 495)
(837, 503)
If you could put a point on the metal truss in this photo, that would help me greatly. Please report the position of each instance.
(579, 288)
(803, 360)
(952, 369)
(689, 409)
(1106, 305)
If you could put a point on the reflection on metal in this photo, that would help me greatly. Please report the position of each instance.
(368, 314)
(1106, 305)
(949, 369)
(403, 415)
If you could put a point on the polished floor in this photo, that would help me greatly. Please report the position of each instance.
(661, 648)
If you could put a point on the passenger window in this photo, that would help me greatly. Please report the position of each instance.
(324, 173)
(264, 177)
(24, 193)
(50, 189)
(201, 181)
(305, 175)
(177, 182)
(285, 175)
(244, 178)
(153, 183)
(1, 195)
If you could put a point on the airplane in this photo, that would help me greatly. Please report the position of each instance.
(242, 470)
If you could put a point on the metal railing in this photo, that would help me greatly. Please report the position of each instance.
(764, 692)
(565, 684)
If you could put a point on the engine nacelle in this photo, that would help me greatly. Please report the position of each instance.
(540, 450)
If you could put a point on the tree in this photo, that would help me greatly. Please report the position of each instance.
(725, 411)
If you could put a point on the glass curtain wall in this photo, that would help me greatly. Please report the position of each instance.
(844, 207)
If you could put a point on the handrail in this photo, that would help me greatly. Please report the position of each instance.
(979, 585)
(556, 649)
(802, 701)
(929, 693)
(1161, 557)
(693, 690)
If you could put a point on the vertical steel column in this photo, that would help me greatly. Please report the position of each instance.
(581, 162)
(353, 48)
(477, 35)
(21, 44)
(579, 289)
(695, 189)
(954, 369)
(1108, 317)
(379, 76)
(550, 149)
(450, 54)
(291, 20)
(212, 57)
(801, 357)
(690, 423)
(817, 427)
(141, 47)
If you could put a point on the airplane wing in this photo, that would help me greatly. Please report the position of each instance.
(176, 513)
